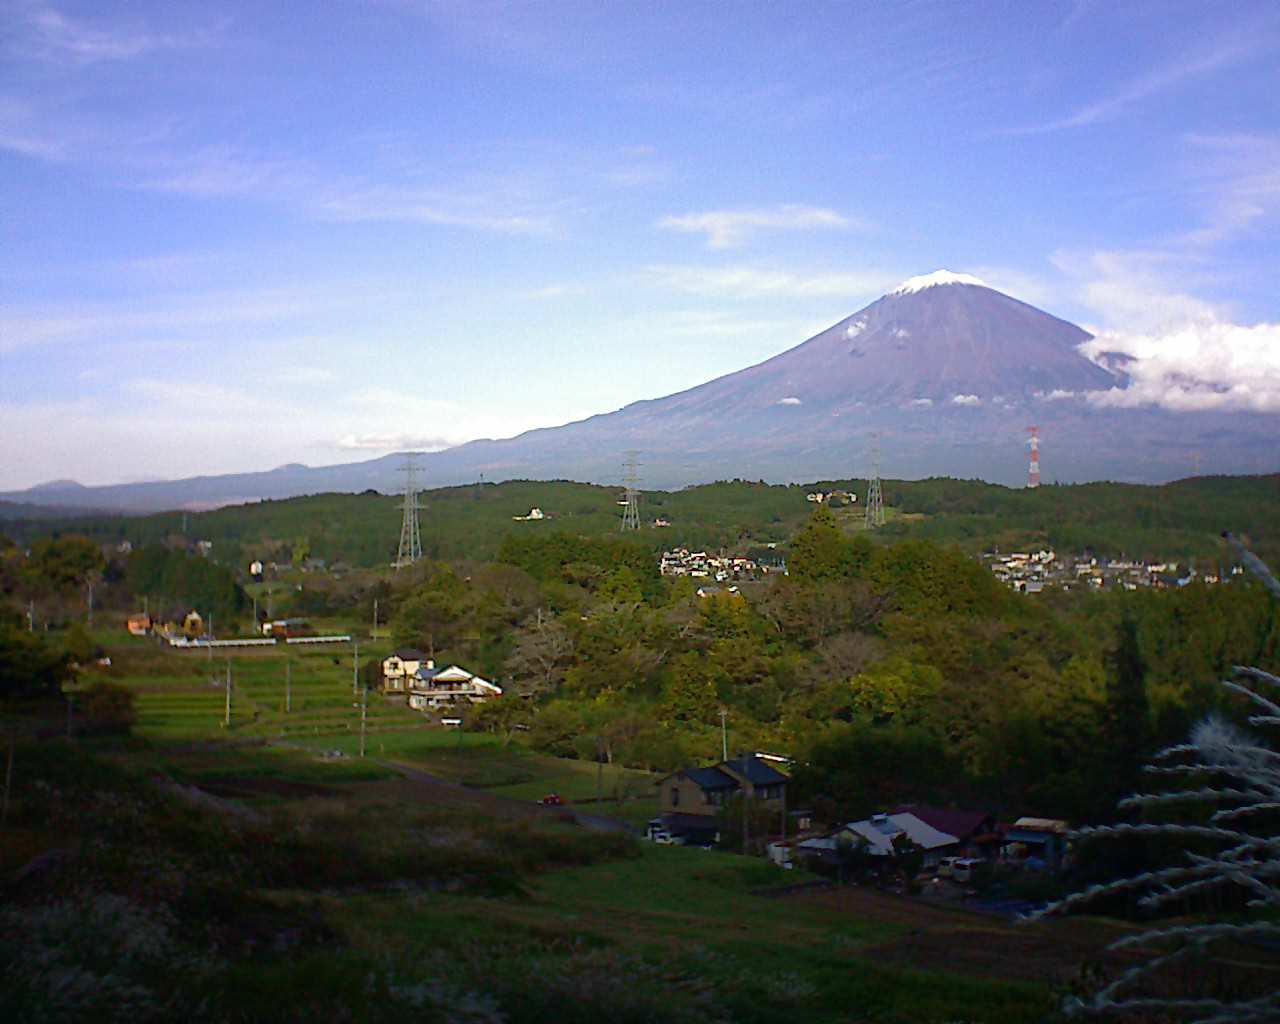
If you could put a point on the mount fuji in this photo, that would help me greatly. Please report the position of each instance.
(947, 371)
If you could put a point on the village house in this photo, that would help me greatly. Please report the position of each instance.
(881, 835)
(139, 625)
(430, 688)
(691, 799)
(1042, 840)
(399, 666)
(976, 832)
(700, 565)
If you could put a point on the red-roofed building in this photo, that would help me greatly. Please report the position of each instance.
(976, 831)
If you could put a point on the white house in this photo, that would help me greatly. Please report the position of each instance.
(433, 688)
(399, 667)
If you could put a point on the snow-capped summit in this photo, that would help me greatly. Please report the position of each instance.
(919, 284)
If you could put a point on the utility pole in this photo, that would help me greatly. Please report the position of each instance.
(255, 613)
(226, 724)
(355, 666)
(31, 616)
(90, 616)
(8, 779)
(746, 815)
(599, 774)
(724, 735)
(288, 684)
(364, 717)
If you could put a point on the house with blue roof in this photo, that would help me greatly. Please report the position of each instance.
(690, 800)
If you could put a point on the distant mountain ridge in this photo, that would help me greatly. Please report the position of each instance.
(947, 371)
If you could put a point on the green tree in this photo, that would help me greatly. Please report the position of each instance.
(30, 667)
(65, 562)
(819, 551)
(1127, 727)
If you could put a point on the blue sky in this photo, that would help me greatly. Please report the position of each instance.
(236, 235)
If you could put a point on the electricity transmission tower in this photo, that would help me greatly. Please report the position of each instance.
(631, 513)
(875, 500)
(410, 541)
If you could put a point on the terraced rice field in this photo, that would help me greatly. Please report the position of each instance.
(274, 694)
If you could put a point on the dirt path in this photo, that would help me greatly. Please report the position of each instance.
(425, 786)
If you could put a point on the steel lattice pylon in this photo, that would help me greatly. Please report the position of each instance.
(631, 499)
(410, 540)
(875, 500)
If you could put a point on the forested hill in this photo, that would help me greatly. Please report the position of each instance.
(1178, 520)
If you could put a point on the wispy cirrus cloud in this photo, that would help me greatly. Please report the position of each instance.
(745, 281)
(44, 33)
(1238, 178)
(727, 229)
(1234, 48)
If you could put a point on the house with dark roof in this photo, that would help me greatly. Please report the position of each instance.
(399, 666)
(691, 799)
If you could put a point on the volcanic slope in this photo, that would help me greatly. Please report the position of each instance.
(946, 370)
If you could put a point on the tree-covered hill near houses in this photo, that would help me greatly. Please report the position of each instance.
(1183, 519)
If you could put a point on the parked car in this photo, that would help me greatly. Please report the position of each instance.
(552, 800)
(657, 833)
(964, 868)
(946, 867)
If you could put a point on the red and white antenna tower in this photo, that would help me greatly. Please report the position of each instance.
(1033, 472)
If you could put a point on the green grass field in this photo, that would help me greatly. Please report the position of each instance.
(301, 699)
(674, 933)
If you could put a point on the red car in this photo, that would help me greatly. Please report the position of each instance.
(552, 800)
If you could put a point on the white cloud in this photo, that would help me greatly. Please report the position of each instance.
(1130, 289)
(1202, 364)
(48, 34)
(922, 403)
(726, 229)
(391, 443)
(751, 282)
(965, 400)
(790, 400)
(1238, 179)
(854, 329)
(902, 332)
(1056, 395)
